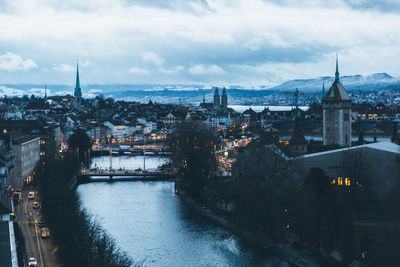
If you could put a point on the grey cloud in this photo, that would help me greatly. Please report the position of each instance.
(381, 5)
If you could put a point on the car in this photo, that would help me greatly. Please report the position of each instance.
(36, 205)
(42, 223)
(31, 195)
(45, 232)
(32, 262)
(17, 196)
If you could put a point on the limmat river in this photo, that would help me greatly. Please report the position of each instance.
(151, 223)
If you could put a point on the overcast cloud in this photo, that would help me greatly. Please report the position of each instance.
(249, 42)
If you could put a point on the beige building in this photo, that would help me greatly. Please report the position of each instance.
(26, 155)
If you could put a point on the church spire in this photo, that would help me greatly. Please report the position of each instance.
(78, 91)
(45, 91)
(337, 68)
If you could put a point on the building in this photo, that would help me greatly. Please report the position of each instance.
(48, 131)
(217, 100)
(78, 91)
(224, 100)
(101, 133)
(336, 112)
(298, 142)
(26, 155)
(220, 102)
(119, 131)
(377, 161)
(5, 168)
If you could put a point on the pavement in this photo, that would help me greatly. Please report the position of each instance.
(5, 248)
(43, 250)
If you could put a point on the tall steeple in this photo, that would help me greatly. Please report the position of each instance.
(336, 114)
(337, 69)
(45, 91)
(78, 92)
(217, 99)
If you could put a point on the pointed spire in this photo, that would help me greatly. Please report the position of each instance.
(78, 91)
(204, 99)
(45, 91)
(337, 68)
(323, 89)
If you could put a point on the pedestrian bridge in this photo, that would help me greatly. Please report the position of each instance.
(98, 175)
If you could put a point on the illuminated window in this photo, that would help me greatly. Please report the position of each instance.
(42, 142)
(340, 181)
(333, 181)
(347, 181)
(5, 131)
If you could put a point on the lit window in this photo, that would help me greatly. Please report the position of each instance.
(347, 181)
(340, 181)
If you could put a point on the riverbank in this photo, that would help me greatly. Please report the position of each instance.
(289, 255)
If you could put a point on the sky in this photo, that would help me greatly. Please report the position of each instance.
(211, 42)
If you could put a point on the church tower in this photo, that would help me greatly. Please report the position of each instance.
(217, 101)
(77, 92)
(336, 106)
(224, 100)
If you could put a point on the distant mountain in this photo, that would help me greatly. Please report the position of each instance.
(377, 81)
(187, 93)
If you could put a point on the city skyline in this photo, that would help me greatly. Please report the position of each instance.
(247, 43)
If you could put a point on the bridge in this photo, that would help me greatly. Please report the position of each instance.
(86, 175)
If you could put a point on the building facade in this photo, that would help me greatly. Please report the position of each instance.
(26, 155)
(336, 112)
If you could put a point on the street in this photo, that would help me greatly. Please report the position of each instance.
(42, 249)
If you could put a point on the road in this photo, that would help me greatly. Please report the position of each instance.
(43, 249)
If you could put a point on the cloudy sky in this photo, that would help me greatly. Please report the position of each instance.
(246, 42)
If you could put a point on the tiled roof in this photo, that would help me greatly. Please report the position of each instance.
(336, 93)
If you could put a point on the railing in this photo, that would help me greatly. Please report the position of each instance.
(123, 172)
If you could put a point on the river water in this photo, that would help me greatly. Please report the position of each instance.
(154, 227)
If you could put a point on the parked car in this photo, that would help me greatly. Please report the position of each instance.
(32, 262)
(31, 195)
(45, 232)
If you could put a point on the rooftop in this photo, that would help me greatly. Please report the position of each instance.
(383, 146)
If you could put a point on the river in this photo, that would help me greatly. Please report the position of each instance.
(150, 222)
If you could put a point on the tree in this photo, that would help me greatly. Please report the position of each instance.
(259, 174)
(79, 140)
(193, 156)
(82, 240)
